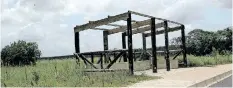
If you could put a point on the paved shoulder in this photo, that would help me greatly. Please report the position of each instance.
(227, 82)
(182, 77)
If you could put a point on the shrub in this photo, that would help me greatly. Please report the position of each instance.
(20, 53)
(209, 61)
(194, 62)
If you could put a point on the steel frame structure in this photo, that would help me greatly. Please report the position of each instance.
(132, 27)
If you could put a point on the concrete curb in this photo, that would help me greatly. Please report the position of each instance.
(212, 79)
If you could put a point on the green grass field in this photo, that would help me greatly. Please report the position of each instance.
(66, 73)
(197, 61)
(63, 73)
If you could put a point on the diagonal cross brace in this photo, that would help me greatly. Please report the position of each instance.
(115, 59)
(85, 60)
(177, 54)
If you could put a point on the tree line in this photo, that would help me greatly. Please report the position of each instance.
(200, 42)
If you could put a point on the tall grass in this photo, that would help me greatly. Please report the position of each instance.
(66, 73)
(63, 73)
(196, 61)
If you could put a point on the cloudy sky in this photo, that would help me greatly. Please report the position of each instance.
(50, 23)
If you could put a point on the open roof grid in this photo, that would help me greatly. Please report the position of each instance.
(137, 26)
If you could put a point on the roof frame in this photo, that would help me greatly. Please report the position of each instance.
(137, 26)
(93, 24)
(144, 15)
(163, 31)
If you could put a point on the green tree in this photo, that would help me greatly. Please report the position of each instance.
(200, 42)
(20, 53)
(224, 40)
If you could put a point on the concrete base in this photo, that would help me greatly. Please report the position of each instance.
(184, 77)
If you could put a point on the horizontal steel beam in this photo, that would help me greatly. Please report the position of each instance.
(116, 25)
(134, 25)
(133, 21)
(160, 48)
(104, 21)
(103, 52)
(162, 31)
(170, 51)
(104, 29)
(147, 28)
(140, 14)
(144, 15)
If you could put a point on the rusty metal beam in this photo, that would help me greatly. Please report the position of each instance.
(115, 25)
(147, 28)
(104, 29)
(144, 15)
(102, 52)
(134, 25)
(163, 31)
(133, 21)
(104, 21)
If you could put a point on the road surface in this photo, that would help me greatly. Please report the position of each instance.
(227, 82)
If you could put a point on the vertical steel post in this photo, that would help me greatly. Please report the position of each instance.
(130, 44)
(77, 47)
(153, 41)
(183, 45)
(92, 58)
(134, 57)
(124, 45)
(76, 41)
(143, 45)
(105, 41)
(166, 46)
(101, 61)
(114, 54)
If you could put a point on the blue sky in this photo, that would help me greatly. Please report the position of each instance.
(51, 23)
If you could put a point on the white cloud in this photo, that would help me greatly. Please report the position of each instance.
(44, 21)
(63, 25)
(225, 3)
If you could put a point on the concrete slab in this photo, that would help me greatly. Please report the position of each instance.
(182, 77)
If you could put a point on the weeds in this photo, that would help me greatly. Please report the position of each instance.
(196, 61)
(36, 77)
(68, 74)
(25, 70)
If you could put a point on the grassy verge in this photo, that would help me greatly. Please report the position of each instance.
(197, 61)
(66, 73)
(63, 73)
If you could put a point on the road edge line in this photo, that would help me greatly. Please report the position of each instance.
(208, 81)
(218, 80)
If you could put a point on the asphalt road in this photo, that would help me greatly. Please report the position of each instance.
(227, 82)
